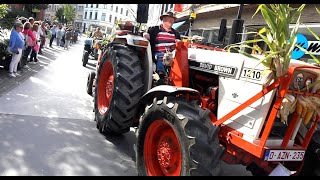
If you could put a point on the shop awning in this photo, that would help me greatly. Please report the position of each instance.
(178, 24)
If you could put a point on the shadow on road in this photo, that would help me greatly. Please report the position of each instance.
(32, 145)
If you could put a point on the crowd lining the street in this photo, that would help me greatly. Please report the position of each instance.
(29, 37)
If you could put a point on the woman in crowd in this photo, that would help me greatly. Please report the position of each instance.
(29, 39)
(16, 45)
(35, 49)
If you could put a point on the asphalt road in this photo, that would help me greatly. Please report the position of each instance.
(47, 127)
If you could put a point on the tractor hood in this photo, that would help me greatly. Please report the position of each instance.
(224, 64)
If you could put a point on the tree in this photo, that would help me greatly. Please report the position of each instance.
(69, 12)
(59, 14)
(29, 8)
(3, 10)
(7, 21)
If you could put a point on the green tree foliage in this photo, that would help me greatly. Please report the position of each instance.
(29, 7)
(59, 14)
(69, 12)
(3, 10)
(7, 21)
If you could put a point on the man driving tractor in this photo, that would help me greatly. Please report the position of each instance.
(97, 34)
(162, 40)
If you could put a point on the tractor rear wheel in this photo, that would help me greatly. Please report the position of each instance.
(119, 87)
(85, 58)
(176, 138)
(90, 79)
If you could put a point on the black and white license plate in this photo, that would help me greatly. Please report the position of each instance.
(284, 155)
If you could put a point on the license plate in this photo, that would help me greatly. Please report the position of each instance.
(284, 155)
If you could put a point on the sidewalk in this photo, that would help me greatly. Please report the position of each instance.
(49, 55)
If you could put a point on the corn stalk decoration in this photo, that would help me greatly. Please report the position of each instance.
(277, 35)
(281, 42)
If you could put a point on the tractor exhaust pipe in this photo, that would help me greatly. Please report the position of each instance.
(237, 27)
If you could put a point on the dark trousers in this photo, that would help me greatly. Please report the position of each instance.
(51, 39)
(43, 41)
(33, 56)
(26, 54)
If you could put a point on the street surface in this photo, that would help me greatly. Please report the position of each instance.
(47, 127)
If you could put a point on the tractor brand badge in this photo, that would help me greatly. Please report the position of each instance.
(212, 68)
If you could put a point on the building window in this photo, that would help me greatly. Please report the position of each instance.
(116, 9)
(103, 17)
(105, 6)
(162, 9)
(167, 7)
(97, 6)
(110, 18)
(86, 5)
(90, 17)
(115, 20)
(127, 12)
(111, 7)
(92, 5)
(85, 15)
(96, 16)
(121, 11)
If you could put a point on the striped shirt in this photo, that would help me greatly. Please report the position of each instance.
(165, 39)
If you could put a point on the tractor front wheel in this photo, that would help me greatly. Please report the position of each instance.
(177, 138)
(311, 164)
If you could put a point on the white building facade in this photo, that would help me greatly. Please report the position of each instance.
(106, 15)
(155, 11)
(79, 16)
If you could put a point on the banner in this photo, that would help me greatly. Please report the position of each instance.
(313, 47)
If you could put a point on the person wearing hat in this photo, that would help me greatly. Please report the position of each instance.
(162, 39)
(16, 45)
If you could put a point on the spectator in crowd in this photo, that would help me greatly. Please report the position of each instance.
(35, 49)
(63, 32)
(31, 21)
(71, 32)
(16, 45)
(53, 31)
(42, 33)
(29, 40)
(59, 35)
(67, 39)
(75, 36)
(48, 36)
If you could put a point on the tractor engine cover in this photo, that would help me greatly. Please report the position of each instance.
(240, 78)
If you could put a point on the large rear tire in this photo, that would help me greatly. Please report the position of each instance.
(85, 58)
(176, 138)
(119, 86)
(90, 79)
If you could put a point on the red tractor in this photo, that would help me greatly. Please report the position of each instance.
(211, 110)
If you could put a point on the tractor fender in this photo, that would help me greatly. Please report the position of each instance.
(163, 90)
(130, 39)
(148, 64)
